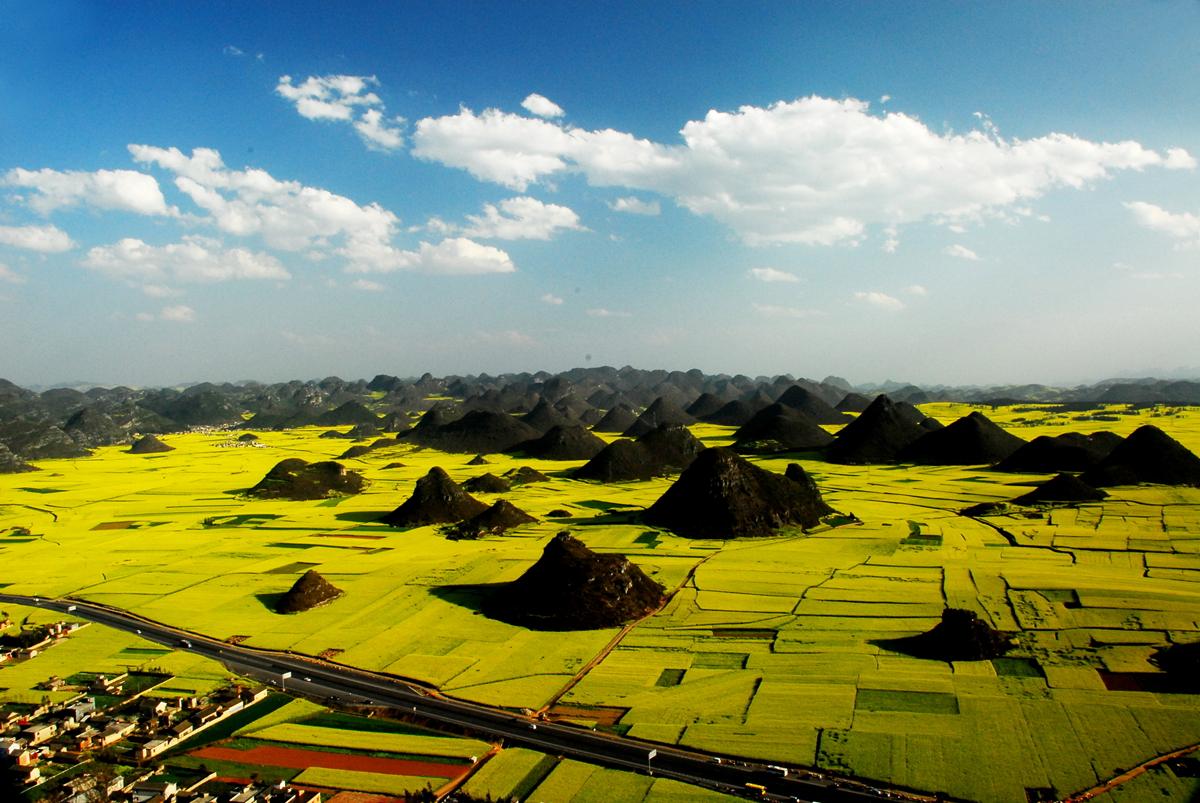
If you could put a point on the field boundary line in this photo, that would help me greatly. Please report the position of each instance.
(619, 637)
(1129, 775)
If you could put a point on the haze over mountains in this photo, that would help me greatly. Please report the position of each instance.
(540, 413)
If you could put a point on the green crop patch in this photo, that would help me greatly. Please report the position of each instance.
(916, 702)
(670, 677)
(1018, 668)
(720, 660)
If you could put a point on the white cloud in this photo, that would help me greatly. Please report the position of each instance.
(1181, 226)
(776, 311)
(367, 285)
(345, 98)
(194, 259)
(550, 298)
(459, 256)
(376, 132)
(1179, 159)
(813, 170)
(773, 275)
(120, 190)
(506, 149)
(180, 313)
(288, 215)
(601, 312)
(960, 252)
(635, 206)
(45, 239)
(916, 290)
(521, 218)
(7, 274)
(160, 291)
(145, 316)
(881, 300)
(541, 106)
(232, 50)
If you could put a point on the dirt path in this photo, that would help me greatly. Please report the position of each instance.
(1129, 775)
(621, 634)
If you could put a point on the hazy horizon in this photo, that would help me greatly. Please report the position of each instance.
(947, 195)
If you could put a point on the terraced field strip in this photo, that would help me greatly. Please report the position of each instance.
(406, 743)
(363, 781)
(294, 758)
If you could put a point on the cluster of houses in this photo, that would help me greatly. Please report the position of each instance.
(31, 642)
(45, 741)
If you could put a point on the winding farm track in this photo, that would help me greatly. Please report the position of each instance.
(345, 685)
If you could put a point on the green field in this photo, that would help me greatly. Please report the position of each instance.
(767, 650)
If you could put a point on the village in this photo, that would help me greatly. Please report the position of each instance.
(102, 740)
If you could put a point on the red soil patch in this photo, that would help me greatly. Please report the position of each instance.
(294, 758)
(601, 715)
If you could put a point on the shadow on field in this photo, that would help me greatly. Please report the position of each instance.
(633, 516)
(236, 492)
(270, 600)
(362, 516)
(474, 597)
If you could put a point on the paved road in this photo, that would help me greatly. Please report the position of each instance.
(348, 686)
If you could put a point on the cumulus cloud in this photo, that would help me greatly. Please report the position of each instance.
(814, 170)
(881, 300)
(45, 239)
(776, 311)
(7, 274)
(288, 215)
(367, 285)
(460, 256)
(521, 218)
(453, 256)
(550, 298)
(635, 206)
(345, 98)
(1181, 226)
(541, 106)
(120, 190)
(916, 290)
(960, 252)
(180, 313)
(601, 312)
(773, 275)
(160, 291)
(193, 260)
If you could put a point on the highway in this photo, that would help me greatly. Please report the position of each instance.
(340, 685)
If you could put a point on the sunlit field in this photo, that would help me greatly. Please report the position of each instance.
(765, 651)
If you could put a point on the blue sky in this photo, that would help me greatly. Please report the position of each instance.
(941, 193)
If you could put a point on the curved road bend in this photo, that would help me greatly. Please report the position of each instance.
(342, 684)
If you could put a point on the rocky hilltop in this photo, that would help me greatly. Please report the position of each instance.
(1147, 455)
(309, 591)
(723, 495)
(960, 636)
(299, 480)
(570, 587)
(149, 444)
(436, 499)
